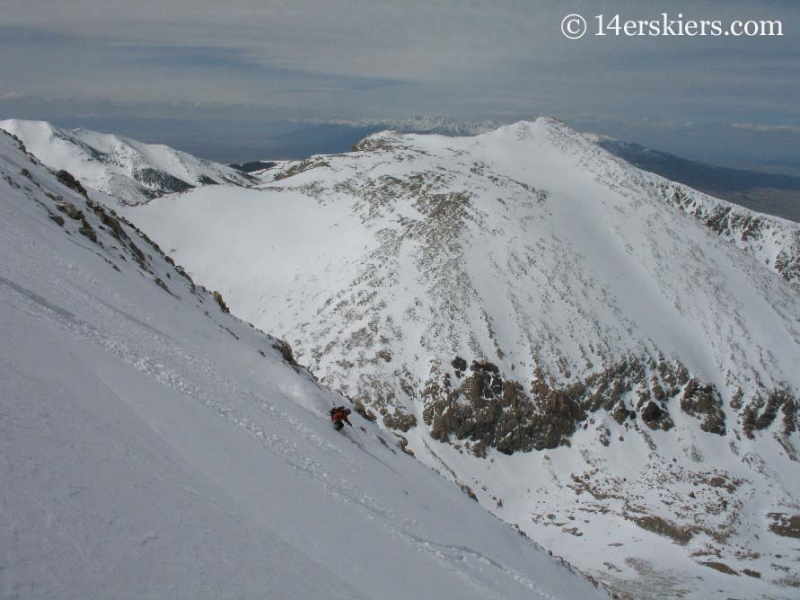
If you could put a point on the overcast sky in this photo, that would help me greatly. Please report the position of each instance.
(182, 71)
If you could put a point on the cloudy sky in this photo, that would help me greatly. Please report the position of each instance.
(215, 76)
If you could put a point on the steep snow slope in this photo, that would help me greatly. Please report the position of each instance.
(131, 171)
(152, 446)
(525, 290)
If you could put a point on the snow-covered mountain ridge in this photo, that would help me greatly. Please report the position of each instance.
(446, 223)
(523, 289)
(153, 446)
(130, 171)
(772, 240)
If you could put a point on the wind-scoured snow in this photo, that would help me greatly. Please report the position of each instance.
(551, 263)
(131, 171)
(153, 446)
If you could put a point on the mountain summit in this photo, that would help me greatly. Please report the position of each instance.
(524, 290)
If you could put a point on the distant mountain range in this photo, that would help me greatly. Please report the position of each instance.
(254, 166)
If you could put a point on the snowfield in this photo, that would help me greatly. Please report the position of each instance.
(153, 446)
(608, 360)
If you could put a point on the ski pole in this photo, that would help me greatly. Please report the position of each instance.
(358, 437)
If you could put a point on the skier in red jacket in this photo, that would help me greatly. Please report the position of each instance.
(339, 417)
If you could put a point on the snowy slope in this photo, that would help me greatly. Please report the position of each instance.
(131, 171)
(525, 290)
(152, 446)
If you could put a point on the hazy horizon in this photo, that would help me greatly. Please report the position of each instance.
(257, 80)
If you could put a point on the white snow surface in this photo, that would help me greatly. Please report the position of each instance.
(131, 171)
(152, 446)
(531, 247)
(564, 257)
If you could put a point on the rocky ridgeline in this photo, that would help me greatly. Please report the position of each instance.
(771, 240)
(476, 404)
(117, 241)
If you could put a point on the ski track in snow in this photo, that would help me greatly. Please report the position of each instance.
(152, 353)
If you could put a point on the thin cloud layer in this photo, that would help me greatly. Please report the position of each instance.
(350, 59)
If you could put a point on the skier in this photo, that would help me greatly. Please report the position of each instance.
(339, 417)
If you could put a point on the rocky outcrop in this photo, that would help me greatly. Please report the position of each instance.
(158, 182)
(705, 403)
(66, 178)
(487, 410)
(761, 413)
(400, 419)
(221, 301)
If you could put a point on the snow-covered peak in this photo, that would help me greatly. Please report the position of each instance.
(524, 290)
(130, 171)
